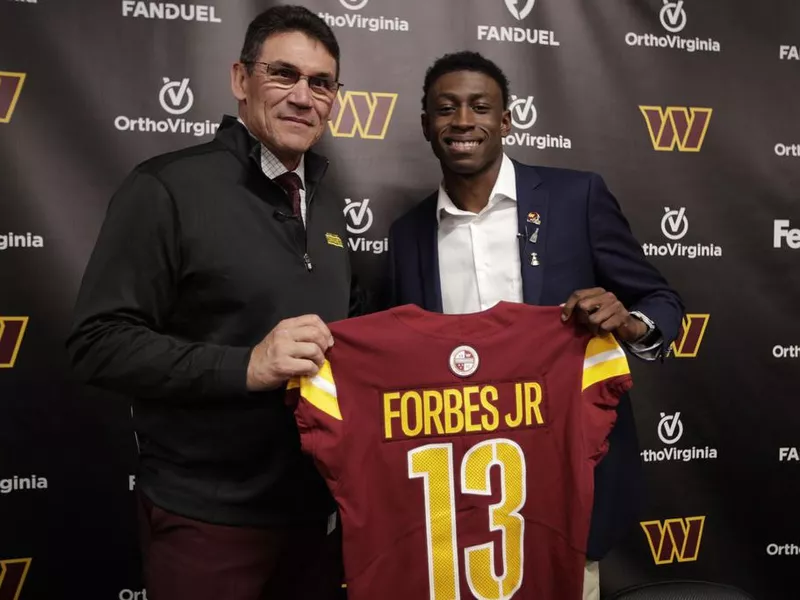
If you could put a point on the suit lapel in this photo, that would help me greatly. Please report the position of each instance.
(532, 205)
(429, 257)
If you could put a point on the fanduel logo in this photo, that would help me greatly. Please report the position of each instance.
(789, 53)
(674, 539)
(693, 329)
(673, 19)
(674, 226)
(356, 21)
(12, 330)
(788, 454)
(359, 218)
(167, 11)
(519, 10)
(12, 577)
(782, 233)
(16, 484)
(524, 116)
(175, 98)
(670, 431)
(678, 127)
(366, 114)
(10, 89)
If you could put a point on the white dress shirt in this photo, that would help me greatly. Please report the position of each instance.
(479, 262)
(479, 253)
(272, 168)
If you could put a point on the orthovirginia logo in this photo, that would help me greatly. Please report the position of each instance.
(12, 330)
(693, 329)
(20, 240)
(670, 432)
(10, 88)
(176, 98)
(523, 116)
(366, 114)
(12, 577)
(354, 20)
(674, 539)
(673, 19)
(675, 226)
(17, 483)
(678, 127)
(519, 10)
(359, 218)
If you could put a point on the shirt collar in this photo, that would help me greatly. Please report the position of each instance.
(504, 188)
(271, 166)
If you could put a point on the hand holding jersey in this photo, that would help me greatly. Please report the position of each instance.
(294, 348)
(601, 311)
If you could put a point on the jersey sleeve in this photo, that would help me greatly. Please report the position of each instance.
(606, 376)
(315, 403)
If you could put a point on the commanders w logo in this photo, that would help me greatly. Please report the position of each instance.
(679, 126)
(11, 331)
(10, 87)
(12, 577)
(365, 113)
(674, 539)
(692, 331)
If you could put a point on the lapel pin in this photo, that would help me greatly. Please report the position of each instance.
(534, 236)
(533, 217)
(534, 259)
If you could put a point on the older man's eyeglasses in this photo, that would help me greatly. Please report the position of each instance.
(284, 76)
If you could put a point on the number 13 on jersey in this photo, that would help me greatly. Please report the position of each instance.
(433, 464)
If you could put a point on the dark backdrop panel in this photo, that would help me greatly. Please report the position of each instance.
(715, 210)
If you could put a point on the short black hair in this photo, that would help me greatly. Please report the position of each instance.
(281, 19)
(464, 61)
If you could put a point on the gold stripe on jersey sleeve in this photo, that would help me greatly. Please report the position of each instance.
(320, 391)
(603, 360)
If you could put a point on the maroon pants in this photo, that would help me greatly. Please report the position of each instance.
(186, 559)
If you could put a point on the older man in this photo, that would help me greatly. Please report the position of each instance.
(213, 275)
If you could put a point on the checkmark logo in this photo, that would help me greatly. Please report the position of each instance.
(670, 428)
(358, 215)
(176, 97)
(674, 224)
(673, 16)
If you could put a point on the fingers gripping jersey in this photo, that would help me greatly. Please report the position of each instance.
(460, 449)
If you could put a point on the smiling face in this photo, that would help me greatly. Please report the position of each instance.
(465, 121)
(286, 119)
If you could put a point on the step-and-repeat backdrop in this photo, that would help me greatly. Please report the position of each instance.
(688, 108)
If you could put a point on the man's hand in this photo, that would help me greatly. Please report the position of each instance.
(601, 312)
(295, 348)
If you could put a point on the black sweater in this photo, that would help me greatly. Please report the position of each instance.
(197, 260)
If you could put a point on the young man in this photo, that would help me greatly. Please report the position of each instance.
(208, 288)
(500, 230)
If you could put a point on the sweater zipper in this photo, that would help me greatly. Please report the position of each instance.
(306, 258)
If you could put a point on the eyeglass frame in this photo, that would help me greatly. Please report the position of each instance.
(300, 75)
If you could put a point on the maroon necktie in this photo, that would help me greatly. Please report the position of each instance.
(291, 182)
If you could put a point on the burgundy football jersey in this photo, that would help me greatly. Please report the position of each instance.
(461, 449)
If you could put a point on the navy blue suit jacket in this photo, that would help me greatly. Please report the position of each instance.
(584, 241)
